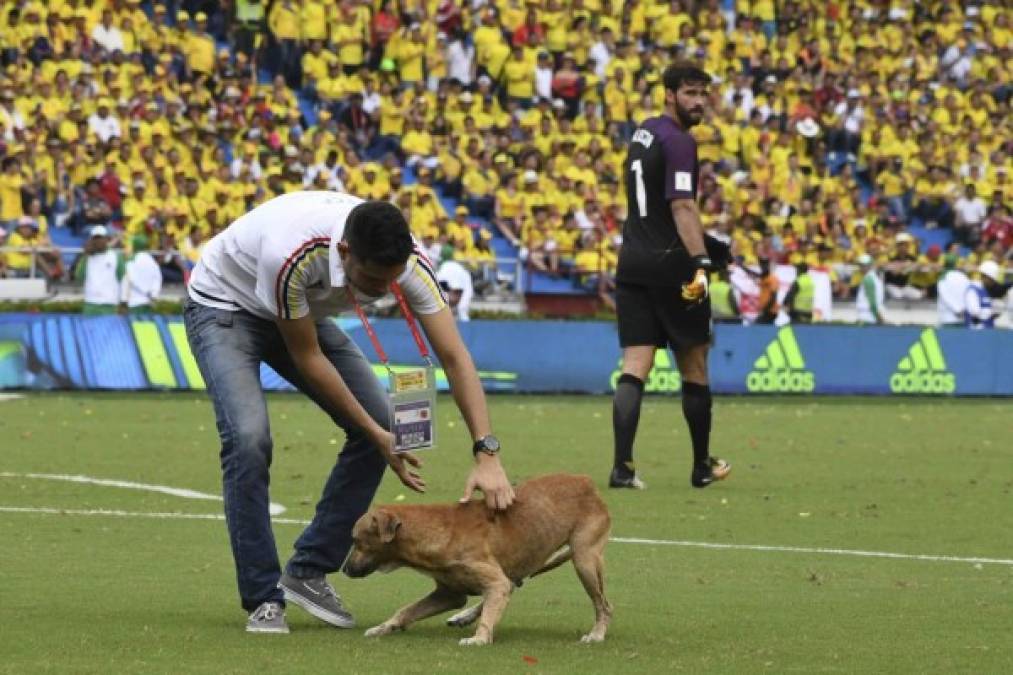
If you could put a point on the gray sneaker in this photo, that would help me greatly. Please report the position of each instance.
(318, 598)
(268, 618)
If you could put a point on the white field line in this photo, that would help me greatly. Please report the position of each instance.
(185, 493)
(618, 540)
(11, 397)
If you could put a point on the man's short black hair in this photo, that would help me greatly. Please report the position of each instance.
(684, 72)
(377, 232)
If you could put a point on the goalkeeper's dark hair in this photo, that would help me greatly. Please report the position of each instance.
(684, 72)
(377, 232)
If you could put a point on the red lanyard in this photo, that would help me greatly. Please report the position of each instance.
(409, 318)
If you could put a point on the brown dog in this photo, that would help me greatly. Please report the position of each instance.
(469, 550)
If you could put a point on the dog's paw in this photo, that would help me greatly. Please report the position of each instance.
(382, 629)
(591, 638)
(473, 641)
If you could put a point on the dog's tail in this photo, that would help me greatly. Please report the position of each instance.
(558, 558)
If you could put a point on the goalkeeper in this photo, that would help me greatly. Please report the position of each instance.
(662, 276)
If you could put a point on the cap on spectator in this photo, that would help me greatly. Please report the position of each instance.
(501, 159)
(864, 260)
(934, 251)
(530, 176)
(28, 221)
(98, 231)
(200, 16)
(950, 261)
(139, 183)
(415, 25)
(485, 80)
(441, 36)
(969, 25)
(159, 9)
(904, 238)
(466, 97)
(808, 127)
(558, 103)
(387, 65)
(854, 93)
(990, 269)
(461, 210)
(423, 171)
(182, 16)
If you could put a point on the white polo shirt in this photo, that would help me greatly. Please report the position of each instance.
(280, 261)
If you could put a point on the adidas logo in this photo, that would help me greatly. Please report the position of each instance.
(664, 376)
(923, 370)
(781, 369)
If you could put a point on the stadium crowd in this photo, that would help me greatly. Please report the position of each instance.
(838, 130)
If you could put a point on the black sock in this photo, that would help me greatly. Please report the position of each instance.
(625, 417)
(696, 408)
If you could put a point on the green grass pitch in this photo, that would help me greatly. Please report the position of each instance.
(104, 594)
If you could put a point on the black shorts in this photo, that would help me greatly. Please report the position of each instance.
(658, 316)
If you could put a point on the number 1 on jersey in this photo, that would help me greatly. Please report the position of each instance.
(638, 169)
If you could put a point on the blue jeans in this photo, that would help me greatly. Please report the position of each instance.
(229, 348)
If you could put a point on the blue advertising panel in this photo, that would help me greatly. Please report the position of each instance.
(52, 351)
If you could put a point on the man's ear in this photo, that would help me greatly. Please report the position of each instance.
(386, 524)
(342, 248)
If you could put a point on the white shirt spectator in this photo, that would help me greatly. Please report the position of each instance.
(952, 289)
(970, 212)
(852, 117)
(457, 278)
(236, 168)
(104, 127)
(602, 56)
(460, 58)
(11, 119)
(543, 82)
(108, 37)
(142, 283)
(334, 181)
(746, 101)
(370, 101)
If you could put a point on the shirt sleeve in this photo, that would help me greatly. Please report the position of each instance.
(284, 273)
(680, 161)
(421, 289)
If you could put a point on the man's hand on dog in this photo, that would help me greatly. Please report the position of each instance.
(489, 477)
(401, 463)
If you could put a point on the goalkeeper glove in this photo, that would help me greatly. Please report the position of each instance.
(696, 290)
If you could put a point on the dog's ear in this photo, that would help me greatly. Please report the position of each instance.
(385, 526)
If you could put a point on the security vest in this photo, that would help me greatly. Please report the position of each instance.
(985, 302)
(805, 295)
(721, 298)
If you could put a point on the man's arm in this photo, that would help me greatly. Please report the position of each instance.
(687, 223)
(300, 337)
(466, 387)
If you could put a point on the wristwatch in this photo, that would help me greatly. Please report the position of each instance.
(487, 444)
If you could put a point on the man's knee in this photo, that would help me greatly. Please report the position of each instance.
(247, 450)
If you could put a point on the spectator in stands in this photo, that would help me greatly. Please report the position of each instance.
(970, 211)
(899, 269)
(142, 278)
(106, 34)
(12, 182)
(101, 269)
(455, 279)
(951, 292)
